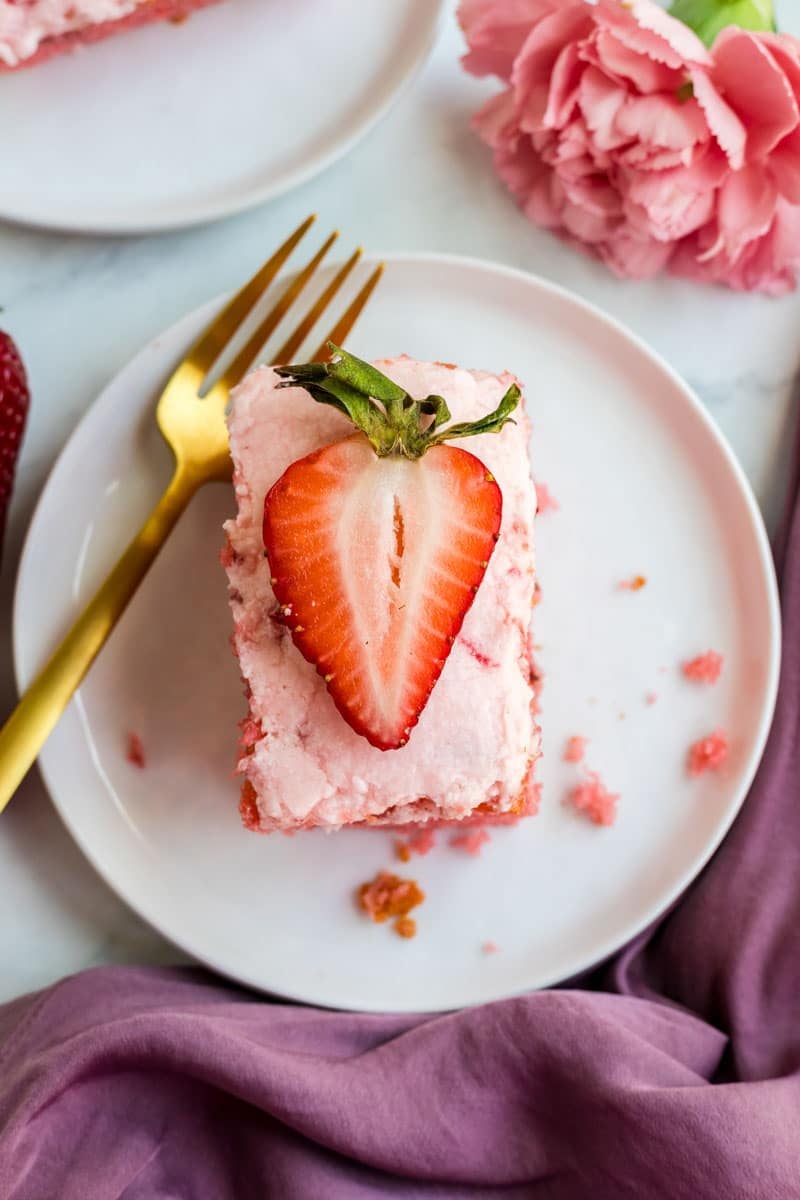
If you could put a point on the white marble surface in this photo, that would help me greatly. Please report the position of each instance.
(80, 308)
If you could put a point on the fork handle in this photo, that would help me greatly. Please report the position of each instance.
(39, 709)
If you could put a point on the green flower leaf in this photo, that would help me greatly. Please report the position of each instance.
(709, 17)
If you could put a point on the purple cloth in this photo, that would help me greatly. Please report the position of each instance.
(673, 1072)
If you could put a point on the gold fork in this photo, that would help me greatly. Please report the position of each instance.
(195, 430)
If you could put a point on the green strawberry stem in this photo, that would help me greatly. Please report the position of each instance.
(394, 421)
(709, 17)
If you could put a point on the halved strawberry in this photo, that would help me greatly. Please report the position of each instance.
(378, 544)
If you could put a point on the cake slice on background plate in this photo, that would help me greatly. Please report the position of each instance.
(32, 31)
(381, 584)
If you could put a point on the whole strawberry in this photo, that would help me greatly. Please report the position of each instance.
(14, 403)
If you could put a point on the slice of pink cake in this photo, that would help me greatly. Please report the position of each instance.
(31, 31)
(473, 751)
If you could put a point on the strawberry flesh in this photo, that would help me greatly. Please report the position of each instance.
(375, 562)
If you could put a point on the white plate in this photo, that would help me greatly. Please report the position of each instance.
(646, 485)
(173, 125)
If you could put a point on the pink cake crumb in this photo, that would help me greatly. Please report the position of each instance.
(537, 595)
(593, 798)
(388, 896)
(706, 668)
(470, 843)
(135, 752)
(575, 749)
(545, 500)
(634, 584)
(490, 948)
(421, 842)
(709, 753)
(650, 697)
(250, 733)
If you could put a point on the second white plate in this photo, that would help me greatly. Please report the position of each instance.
(174, 125)
(646, 486)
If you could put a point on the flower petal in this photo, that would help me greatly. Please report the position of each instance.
(647, 75)
(522, 169)
(663, 121)
(496, 31)
(587, 224)
(723, 122)
(544, 202)
(496, 122)
(786, 235)
(646, 29)
(756, 89)
(643, 157)
(535, 62)
(768, 264)
(600, 101)
(564, 80)
(633, 257)
(784, 166)
(785, 49)
(667, 205)
(746, 207)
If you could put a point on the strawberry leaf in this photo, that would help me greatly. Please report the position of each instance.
(392, 420)
(493, 422)
(436, 407)
(367, 379)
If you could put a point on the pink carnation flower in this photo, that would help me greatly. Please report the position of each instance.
(619, 130)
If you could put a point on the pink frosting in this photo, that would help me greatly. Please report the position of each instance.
(23, 27)
(477, 737)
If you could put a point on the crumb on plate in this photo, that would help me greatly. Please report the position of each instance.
(490, 948)
(650, 697)
(537, 594)
(635, 584)
(709, 753)
(575, 749)
(592, 798)
(135, 753)
(388, 896)
(706, 668)
(421, 842)
(470, 842)
(545, 500)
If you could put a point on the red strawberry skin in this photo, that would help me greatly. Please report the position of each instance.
(375, 562)
(14, 404)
